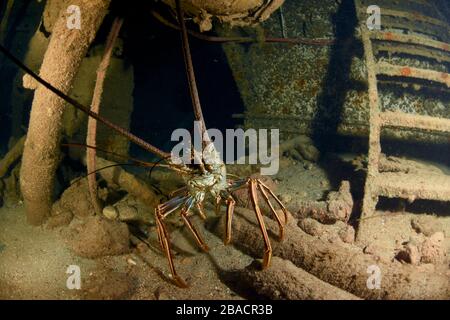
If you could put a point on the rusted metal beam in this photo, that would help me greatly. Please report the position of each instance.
(370, 197)
(414, 16)
(405, 120)
(413, 186)
(421, 2)
(410, 15)
(410, 72)
(410, 39)
(425, 3)
(432, 31)
(412, 50)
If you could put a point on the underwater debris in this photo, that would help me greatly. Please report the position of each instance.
(294, 87)
(9, 185)
(410, 254)
(199, 177)
(337, 207)
(396, 164)
(431, 250)
(394, 184)
(300, 147)
(108, 285)
(59, 217)
(116, 176)
(236, 13)
(12, 156)
(76, 200)
(427, 225)
(61, 62)
(218, 39)
(129, 209)
(344, 266)
(110, 213)
(97, 237)
(399, 165)
(11, 188)
(2, 187)
(328, 232)
(91, 138)
(286, 281)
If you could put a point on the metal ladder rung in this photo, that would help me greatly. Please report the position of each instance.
(412, 16)
(405, 120)
(388, 69)
(395, 184)
(431, 31)
(409, 186)
(425, 52)
(409, 39)
(418, 2)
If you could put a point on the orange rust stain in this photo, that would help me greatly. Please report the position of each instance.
(446, 47)
(444, 75)
(405, 71)
(314, 91)
(301, 83)
(389, 36)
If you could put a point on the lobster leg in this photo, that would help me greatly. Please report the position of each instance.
(217, 205)
(283, 208)
(265, 192)
(163, 236)
(161, 212)
(268, 247)
(201, 211)
(171, 205)
(197, 236)
(183, 191)
(177, 192)
(230, 210)
(272, 209)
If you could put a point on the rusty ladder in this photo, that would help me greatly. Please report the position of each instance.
(394, 184)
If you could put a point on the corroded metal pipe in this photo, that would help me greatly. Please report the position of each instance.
(66, 50)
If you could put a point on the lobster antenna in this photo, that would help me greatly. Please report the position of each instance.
(198, 113)
(137, 161)
(140, 142)
(98, 170)
(154, 165)
(190, 69)
(108, 167)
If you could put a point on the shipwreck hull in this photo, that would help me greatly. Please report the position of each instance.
(315, 89)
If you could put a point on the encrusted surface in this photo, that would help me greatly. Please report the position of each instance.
(305, 88)
(425, 186)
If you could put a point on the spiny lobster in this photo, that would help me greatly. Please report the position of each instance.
(207, 177)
